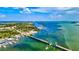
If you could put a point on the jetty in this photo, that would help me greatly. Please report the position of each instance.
(46, 42)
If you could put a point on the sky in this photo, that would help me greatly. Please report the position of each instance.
(39, 14)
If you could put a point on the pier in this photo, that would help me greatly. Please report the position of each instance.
(46, 42)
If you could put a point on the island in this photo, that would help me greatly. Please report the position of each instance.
(10, 32)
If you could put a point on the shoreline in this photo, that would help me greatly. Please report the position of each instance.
(16, 31)
(13, 40)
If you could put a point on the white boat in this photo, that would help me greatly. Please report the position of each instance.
(4, 46)
(10, 43)
(10, 38)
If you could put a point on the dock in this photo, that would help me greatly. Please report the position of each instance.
(46, 42)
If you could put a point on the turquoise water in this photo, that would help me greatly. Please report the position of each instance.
(66, 37)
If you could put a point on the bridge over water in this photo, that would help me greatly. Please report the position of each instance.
(46, 42)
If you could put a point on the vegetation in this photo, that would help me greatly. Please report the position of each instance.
(7, 33)
(26, 27)
(10, 29)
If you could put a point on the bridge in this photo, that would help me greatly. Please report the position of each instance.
(46, 42)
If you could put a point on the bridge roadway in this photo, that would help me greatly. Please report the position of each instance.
(46, 42)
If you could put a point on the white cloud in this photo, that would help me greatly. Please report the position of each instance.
(42, 10)
(56, 16)
(63, 8)
(50, 9)
(72, 12)
(2, 16)
(24, 9)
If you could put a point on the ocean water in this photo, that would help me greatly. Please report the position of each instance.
(62, 33)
